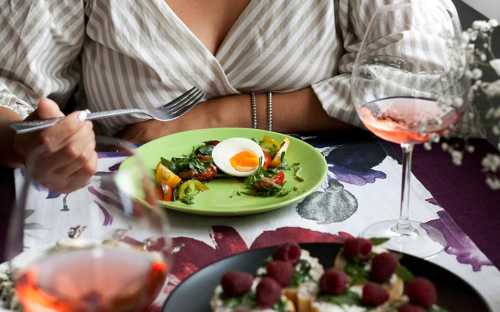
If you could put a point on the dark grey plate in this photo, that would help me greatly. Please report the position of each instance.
(193, 295)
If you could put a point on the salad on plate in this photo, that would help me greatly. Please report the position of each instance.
(259, 165)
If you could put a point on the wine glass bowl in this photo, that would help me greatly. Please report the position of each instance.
(110, 255)
(409, 86)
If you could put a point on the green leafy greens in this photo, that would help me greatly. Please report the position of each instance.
(403, 273)
(302, 273)
(348, 298)
(356, 272)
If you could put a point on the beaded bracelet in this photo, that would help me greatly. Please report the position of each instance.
(253, 107)
(270, 111)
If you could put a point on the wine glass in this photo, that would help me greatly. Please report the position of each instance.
(409, 86)
(101, 248)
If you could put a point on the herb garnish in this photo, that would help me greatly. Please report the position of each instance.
(297, 169)
(261, 184)
(188, 162)
(280, 306)
(247, 300)
(436, 308)
(403, 273)
(348, 298)
(377, 241)
(356, 272)
(302, 273)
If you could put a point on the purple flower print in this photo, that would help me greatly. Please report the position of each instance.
(457, 242)
(351, 163)
(356, 177)
(102, 200)
(115, 167)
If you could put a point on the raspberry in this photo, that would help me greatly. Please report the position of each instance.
(351, 248)
(374, 295)
(236, 284)
(421, 292)
(365, 246)
(281, 271)
(383, 266)
(268, 293)
(333, 282)
(288, 252)
(410, 308)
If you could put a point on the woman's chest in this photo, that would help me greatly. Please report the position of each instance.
(261, 45)
(209, 21)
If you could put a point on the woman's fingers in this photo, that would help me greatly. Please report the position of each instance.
(75, 153)
(63, 156)
(57, 136)
(80, 177)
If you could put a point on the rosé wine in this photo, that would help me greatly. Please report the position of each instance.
(103, 279)
(406, 119)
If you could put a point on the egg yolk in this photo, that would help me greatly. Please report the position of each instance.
(244, 161)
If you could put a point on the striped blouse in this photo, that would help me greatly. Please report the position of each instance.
(128, 53)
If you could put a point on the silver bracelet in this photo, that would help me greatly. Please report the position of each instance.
(270, 111)
(253, 107)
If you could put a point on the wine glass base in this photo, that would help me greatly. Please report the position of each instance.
(411, 238)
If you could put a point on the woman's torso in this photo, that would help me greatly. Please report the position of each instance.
(142, 54)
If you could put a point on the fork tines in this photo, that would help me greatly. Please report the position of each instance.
(191, 96)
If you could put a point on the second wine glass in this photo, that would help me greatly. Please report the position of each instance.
(107, 250)
(409, 86)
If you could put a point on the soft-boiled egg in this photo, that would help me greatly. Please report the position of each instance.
(238, 157)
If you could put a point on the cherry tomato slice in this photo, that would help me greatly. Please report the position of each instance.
(279, 178)
(167, 193)
(267, 160)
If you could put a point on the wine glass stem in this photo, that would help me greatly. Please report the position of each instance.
(404, 226)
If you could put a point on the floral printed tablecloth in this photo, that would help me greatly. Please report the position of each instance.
(361, 188)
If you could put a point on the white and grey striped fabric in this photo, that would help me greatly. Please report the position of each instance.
(140, 54)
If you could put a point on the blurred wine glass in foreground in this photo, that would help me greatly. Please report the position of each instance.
(409, 86)
(111, 255)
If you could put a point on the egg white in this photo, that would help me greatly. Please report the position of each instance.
(226, 149)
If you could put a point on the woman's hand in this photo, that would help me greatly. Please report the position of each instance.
(64, 155)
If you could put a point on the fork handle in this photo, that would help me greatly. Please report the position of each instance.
(36, 125)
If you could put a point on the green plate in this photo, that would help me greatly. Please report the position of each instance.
(221, 198)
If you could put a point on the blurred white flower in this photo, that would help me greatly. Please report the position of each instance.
(492, 90)
(491, 163)
(495, 64)
(481, 26)
(476, 74)
(493, 183)
(457, 157)
(478, 47)
(496, 130)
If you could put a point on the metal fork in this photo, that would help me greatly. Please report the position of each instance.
(170, 111)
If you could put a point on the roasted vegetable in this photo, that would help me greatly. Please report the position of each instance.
(265, 183)
(269, 145)
(166, 192)
(279, 156)
(206, 175)
(163, 175)
(267, 160)
(189, 189)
